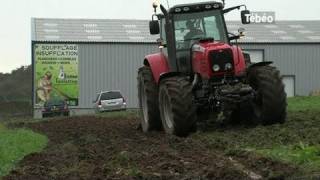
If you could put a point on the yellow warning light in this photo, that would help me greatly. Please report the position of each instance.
(155, 3)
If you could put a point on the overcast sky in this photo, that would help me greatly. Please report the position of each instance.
(15, 42)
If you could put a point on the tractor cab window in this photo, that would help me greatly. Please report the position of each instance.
(195, 26)
(211, 28)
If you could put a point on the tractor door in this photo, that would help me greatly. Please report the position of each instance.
(179, 60)
(175, 50)
(183, 47)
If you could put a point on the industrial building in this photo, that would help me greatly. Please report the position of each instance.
(106, 54)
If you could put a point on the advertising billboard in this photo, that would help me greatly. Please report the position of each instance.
(56, 73)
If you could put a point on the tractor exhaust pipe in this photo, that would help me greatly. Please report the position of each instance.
(164, 11)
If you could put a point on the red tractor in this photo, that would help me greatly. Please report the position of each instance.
(199, 72)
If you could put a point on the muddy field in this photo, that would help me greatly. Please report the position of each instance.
(113, 148)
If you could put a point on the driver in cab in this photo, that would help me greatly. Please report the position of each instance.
(194, 32)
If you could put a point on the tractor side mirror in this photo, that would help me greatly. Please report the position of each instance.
(154, 27)
(241, 31)
(245, 17)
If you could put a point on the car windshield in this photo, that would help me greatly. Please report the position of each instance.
(199, 25)
(55, 103)
(111, 95)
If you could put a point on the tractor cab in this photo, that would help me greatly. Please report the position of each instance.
(183, 27)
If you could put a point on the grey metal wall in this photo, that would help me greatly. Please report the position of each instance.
(113, 66)
(300, 60)
(110, 67)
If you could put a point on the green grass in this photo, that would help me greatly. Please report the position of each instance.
(303, 103)
(299, 142)
(132, 113)
(301, 155)
(15, 144)
(296, 142)
(13, 120)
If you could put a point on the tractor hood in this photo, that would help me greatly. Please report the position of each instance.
(210, 58)
(211, 45)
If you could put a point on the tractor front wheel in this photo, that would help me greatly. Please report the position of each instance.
(269, 105)
(178, 114)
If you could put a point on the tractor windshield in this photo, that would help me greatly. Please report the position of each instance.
(196, 26)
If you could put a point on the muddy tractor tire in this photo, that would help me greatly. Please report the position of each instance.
(148, 100)
(270, 104)
(177, 111)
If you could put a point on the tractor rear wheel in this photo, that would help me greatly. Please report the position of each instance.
(148, 100)
(178, 114)
(270, 103)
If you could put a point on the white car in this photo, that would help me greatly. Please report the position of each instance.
(110, 101)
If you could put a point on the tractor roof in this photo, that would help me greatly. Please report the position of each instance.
(196, 7)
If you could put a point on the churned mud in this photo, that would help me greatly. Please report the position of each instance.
(113, 148)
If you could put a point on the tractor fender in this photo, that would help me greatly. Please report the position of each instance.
(158, 65)
(264, 63)
(169, 74)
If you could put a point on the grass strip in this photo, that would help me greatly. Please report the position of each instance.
(16, 144)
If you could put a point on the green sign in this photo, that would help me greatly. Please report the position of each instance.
(56, 73)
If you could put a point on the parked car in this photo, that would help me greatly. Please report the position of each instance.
(54, 108)
(110, 101)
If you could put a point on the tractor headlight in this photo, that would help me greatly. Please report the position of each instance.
(228, 66)
(216, 68)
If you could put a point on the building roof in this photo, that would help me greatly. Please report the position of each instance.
(136, 31)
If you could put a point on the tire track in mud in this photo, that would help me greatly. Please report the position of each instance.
(104, 148)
